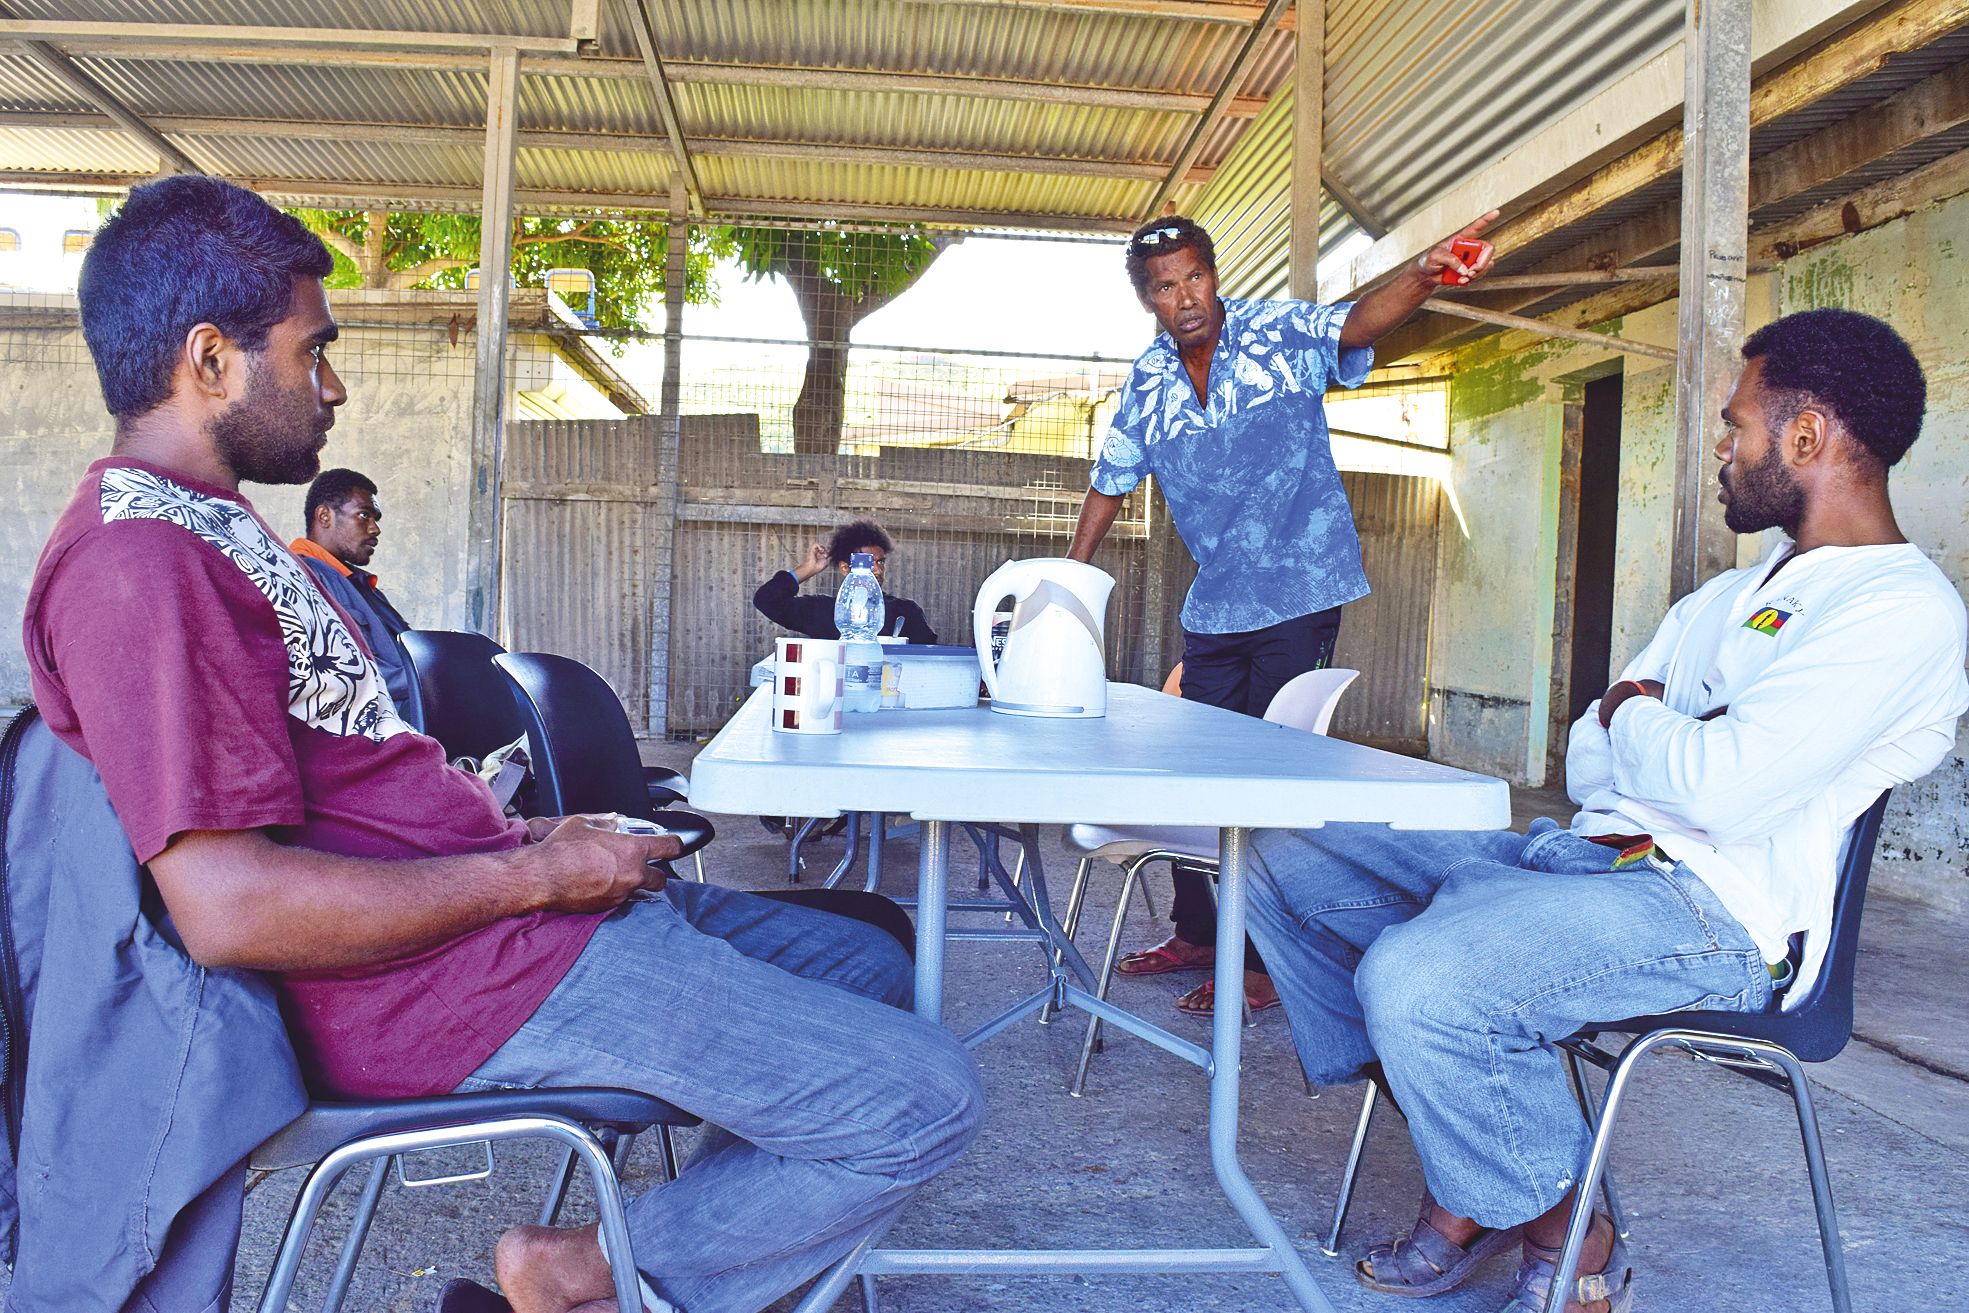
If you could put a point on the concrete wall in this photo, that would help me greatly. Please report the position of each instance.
(1492, 651)
(406, 425)
(1914, 273)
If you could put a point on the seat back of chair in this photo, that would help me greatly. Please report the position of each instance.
(1307, 701)
(584, 752)
(1818, 1025)
(468, 704)
(1823, 1019)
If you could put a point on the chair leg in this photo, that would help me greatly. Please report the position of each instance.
(697, 860)
(319, 1183)
(1576, 1068)
(1087, 1045)
(878, 834)
(365, 1213)
(1596, 1162)
(1070, 924)
(1808, 1132)
(1351, 1173)
(1018, 876)
(868, 1302)
(793, 859)
(666, 1143)
(550, 1207)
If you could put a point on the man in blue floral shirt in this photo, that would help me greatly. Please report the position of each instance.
(1226, 409)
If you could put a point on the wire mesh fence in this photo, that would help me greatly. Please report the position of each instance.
(634, 541)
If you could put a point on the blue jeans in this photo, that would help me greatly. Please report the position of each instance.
(1459, 959)
(783, 1026)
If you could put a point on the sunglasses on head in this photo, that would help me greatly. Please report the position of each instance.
(1156, 236)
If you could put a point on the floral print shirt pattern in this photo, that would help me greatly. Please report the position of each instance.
(1249, 477)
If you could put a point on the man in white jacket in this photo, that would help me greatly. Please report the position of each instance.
(1715, 782)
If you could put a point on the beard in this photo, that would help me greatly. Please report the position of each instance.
(270, 435)
(1763, 496)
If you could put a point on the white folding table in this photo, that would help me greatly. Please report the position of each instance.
(1152, 760)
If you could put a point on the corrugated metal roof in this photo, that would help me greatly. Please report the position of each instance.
(1072, 112)
(1420, 92)
(1247, 208)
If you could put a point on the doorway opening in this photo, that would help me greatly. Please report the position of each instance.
(1593, 549)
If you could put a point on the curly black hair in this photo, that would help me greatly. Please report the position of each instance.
(1166, 237)
(1854, 368)
(856, 536)
(333, 489)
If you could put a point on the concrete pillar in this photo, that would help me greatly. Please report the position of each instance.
(670, 427)
(1308, 142)
(482, 512)
(1715, 223)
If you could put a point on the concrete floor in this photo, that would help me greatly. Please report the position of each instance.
(1708, 1164)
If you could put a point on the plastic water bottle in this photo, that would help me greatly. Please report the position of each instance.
(858, 615)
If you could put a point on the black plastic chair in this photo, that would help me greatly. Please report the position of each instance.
(584, 753)
(332, 1138)
(587, 762)
(468, 705)
(1768, 1047)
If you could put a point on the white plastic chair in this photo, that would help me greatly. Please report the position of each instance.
(1306, 702)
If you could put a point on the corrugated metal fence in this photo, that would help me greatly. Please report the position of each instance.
(597, 530)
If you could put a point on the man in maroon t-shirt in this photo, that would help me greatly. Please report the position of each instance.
(420, 941)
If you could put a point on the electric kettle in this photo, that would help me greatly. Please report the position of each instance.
(1054, 663)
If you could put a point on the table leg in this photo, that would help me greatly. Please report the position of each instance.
(932, 900)
(1227, 1042)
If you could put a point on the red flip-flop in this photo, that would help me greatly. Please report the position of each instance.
(1158, 961)
(1202, 1001)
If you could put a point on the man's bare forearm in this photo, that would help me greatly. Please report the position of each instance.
(1387, 307)
(239, 899)
(1097, 512)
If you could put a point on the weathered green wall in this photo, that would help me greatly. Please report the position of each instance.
(1492, 645)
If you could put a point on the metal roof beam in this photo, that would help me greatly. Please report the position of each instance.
(666, 104)
(1254, 41)
(540, 200)
(51, 61)
(1238, 12)
(584, 21)
(703, 72)
(131, 40)
(408, 134)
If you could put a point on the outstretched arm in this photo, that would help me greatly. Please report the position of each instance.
(1382, 310)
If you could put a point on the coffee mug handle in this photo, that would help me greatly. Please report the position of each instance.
(828, 678)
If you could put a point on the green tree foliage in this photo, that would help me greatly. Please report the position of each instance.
(378, 249)
(839, 277)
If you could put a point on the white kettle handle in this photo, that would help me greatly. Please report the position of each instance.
(1016, 578)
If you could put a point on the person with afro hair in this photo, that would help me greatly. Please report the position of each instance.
(779, 599)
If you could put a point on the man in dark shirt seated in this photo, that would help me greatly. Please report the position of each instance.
(344, 524)
(779, 601)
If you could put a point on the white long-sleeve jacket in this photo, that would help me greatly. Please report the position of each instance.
(1842, 675)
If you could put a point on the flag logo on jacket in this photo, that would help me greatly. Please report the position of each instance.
(1768, 620)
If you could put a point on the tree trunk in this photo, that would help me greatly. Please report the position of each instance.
(817, 414)
(375, 261)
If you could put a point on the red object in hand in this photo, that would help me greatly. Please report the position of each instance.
(1467, 249)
